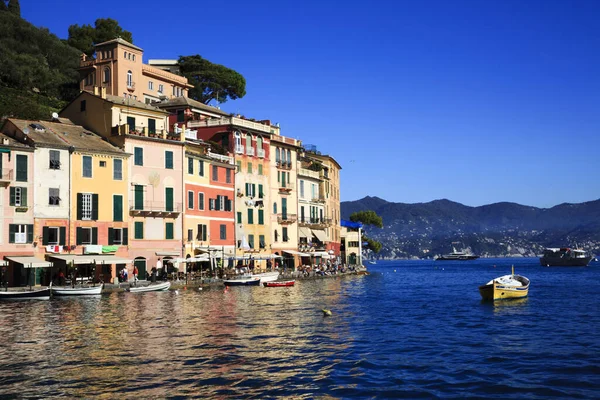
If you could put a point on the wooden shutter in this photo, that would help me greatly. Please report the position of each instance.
(45, 230)
(79, 235)
(79, 207)
(261, 217)
(12, 195)
(11, 233)
(94, 235)
(111, 233)
(125, 236)
(95, 207)
(30, 233)
(63, 236)
(118, 208)
(24, 197)
(204, 233)
(260, 191)
(253, 189)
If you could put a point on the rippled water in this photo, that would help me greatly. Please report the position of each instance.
(410, 329)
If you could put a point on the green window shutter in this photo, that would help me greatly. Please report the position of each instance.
(117, 208)
(168, 159)
(260, 191)
(95, 207)
(169, 230)
(204, 232)
(125, 236)
(45, 230)
(201, 169)
(261, 241)
(79, 207)
(253, 190)
(247, 189)
(223, 232)
(139, 230)
(11, 233)
(169, 199)
(151, 125)
(261, 218)
(24, 197)
(111, 233)
(63, 236)
(139, 197)
(79, 235)
(21, 168)
(239, 217)
(12, 196)
(190, 166)
(250, 216)
(30, 233)
(94, 235)
(251, 241)
(260, 169)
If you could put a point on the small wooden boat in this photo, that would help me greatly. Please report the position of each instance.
(77, 291)
(24, 294)
(267, 276)
(505, 287)
(153, 287)
(244, 281)
(279, 283)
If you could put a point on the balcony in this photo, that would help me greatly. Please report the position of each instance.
(285, 219)
(155, 209)
(283, 164)
(239, 149)
(309, 173)
(189, 134)
(5, 176)
(240, 122)
(220, 157)
(131, 86)
(287, 188)
(260, 153)
(314, 222)
(320, 199)
(250, 151)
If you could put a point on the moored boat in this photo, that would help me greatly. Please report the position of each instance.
(565, 257)
(77, 291)
(242, 281)
(267, 276)
(279, 283)
(153, 287)
(24, 294)
(457, 255)
(505, 287)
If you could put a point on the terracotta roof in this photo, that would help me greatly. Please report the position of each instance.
(130, 102)
(12, 142)
(119, 41)
(183, 101)
(61, 135)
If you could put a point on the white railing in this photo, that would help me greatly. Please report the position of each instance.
(260, 153)
(309, 173)
(220, 157)
(250, 151)
(231, 121)
(189, 134)
(239, 149)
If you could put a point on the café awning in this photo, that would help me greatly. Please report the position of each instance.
(30, 262)
(319, 234)
(91, 259)
(297, 253)
(304, 232)
(168, 253)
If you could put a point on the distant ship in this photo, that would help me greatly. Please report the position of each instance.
(457, 255)
(565, 257)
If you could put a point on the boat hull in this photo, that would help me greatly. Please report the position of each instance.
(497, 291)
(154, 287)
(449, 257)
(242, 282)
(81, 291)
(267, 276)
(565, 261)
(41, 294)
(279, 284)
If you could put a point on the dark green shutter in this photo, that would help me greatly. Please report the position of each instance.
(204, 232)
(169, 199)
(260, 191)
(11, 233)
(125, 236)
(79, 207)
(111, 233)
(79, 235)
(239, 217)
(94, 235)
(201, 173)
(261, 217)
(250, 216)
(95, 207)
(45, 230)
(190, 165)
(117, 208)
(139, 197)
(151, 125)
(21, 168)
(12, 196)
(253, 189)
(169, 230)
(247, 188)
(139, 230)
(29, 233)
(63, 236)
(24, 197)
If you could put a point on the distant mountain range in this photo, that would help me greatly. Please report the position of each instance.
(424, 230)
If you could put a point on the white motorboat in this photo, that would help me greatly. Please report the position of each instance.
(267, 276)
(153, 287)
(77, 290)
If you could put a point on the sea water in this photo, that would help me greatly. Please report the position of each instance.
(411, 329)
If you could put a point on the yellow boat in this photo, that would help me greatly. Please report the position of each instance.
(505, 287)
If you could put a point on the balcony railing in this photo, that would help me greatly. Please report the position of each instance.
(220, 157)
(283, 164)
(289, 186)
(131, 86)
(189, 134)
(154, 208)
(320, 199)
(260, 153)
(286, 218)
(257, 126)
(308, 173)
(5, 175)
(250, 151)
(314, 221)
(239, 149)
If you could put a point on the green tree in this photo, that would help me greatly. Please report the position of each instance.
(14, 7)
(3, 6)
(369, 217)
(84, 37)
(211, 81)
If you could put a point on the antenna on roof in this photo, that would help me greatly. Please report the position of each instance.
(55, 116)
(26, 131)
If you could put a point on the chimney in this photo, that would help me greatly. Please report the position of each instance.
(103, 92)
(5, 141)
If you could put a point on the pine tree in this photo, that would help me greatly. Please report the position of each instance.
(14, 7)
(3, 6)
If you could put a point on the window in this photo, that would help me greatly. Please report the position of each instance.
(117, 208)
(180, 116)
(239, 166)
(190, 166)
(103, 164)
(150, 85)
(54, 159)
(138, 154)
(260, 169)
(169, 199)
(169, 230)
(250, 189)
(138, 195)
(200, 201)
(250, 216)
(20, 233)
(251, 241)
(289, 158)
(106, 75)
(284, 233)
(261, 241)
(168, 159)
(277, 155)
(124, 54)
(261, 194)
(261, 217)
(190, 235)
(301, 189)
(53, 197)
(129, 79)
(190, 200)
(200, 168)
(51, 235)
(86, 206)
(228, 176)
(87, 166)
(222, 232)
(239, 217)
(117, 169)
(21, 168)
(202, 232)
(151, 125)
(220, 202)
(86, 235)
(117, 236)
(274, 208)
(276, 235)
(18, 196)
(161, 88)
(215, 173)
(249, 167)
(139, 230)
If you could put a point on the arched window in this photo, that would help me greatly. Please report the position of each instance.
(106, 75)
(283, 156)
(124, 54)
(259, 142)
(238, 142)
(129, 79)
(248, 141)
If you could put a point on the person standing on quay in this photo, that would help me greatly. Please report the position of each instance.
(159, 267)
(135, 273)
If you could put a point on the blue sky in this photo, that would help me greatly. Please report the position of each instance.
(474, 101)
